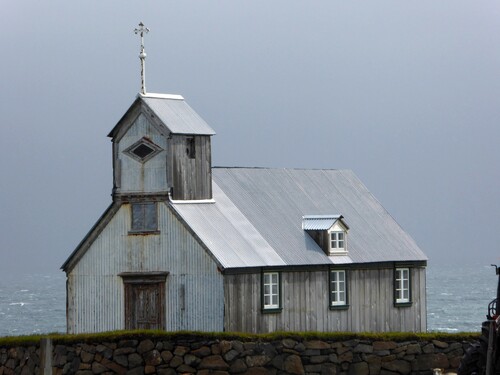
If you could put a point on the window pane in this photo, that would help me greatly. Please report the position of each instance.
(150, 216)
(137, 216)
(267, 289)
(144, 216)
(275, 278)
(267, 300)
(341, 276)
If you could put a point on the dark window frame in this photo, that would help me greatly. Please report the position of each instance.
(143, 221)
(396, 290)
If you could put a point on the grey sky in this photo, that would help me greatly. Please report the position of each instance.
(406, 94)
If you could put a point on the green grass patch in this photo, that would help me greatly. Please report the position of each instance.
(112, 336)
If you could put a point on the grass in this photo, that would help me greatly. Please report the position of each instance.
(59, 338)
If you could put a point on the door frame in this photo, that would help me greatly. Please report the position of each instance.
(141, 278)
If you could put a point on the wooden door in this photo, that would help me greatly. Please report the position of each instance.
(144, 306)
(144, 299)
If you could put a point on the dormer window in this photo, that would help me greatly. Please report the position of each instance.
(337, 242)
(329, 232)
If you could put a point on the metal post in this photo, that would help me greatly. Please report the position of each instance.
(142, 55)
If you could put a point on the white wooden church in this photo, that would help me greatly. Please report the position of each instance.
(187, 246)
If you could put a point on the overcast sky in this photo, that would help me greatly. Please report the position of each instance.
(404, 93)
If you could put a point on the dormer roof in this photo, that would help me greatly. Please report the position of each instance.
(166, 110)
(321, 222)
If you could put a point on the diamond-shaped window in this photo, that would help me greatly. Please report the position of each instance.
(143, 150)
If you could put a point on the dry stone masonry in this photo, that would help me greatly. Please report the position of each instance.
(193, 355)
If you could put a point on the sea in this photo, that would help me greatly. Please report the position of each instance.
(457, 300)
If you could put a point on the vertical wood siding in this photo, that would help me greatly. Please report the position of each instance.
(191, 178)
(305, 303)
(134, 176)
(194, 287)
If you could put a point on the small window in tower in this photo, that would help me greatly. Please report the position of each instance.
(143, 150)
(144, 217)
(190, 148)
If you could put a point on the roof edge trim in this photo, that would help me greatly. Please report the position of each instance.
(160, 96)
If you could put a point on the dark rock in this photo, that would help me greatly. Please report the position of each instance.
(202, 352)
(237, 367)
(346, 357)
(225, 346)
(136, 371)
(191, 360)
(384, 345)
(134, 360)
(316, 344)
(237, 345)
(145, 346)
(257, 371)
(278, 361)
(127, 343)
(230, 355)
(319, 359)
(427, 349)
(360, 368)
(351, 343)
(310, 352)
(414, 349)
(440, 344)
(122, 360)
(97, 368)
(124, 350)
(300, 347)
(152, 358)
(333, 358)
(288, 343)
(185, 369)
(312, 369)
(425, 362)
(113, 366)
(401, 367)
(328, 369)
(257, 360)
(176, 361)
(293, 365)
(166, 371)
(180, 350)
(363, 348)
(166, 356)
(86, 357)
(213, 362)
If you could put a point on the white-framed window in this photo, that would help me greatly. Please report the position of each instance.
(337, 241)
(402, 286)
(144, 217)
(271, 291)
(338, 288)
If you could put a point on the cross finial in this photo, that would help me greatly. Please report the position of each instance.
(142, 55)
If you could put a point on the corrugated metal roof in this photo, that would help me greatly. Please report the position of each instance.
(256, 219)
(176, 114)
(319, 222)
(228, 234)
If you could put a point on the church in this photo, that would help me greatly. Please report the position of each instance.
(188, 246)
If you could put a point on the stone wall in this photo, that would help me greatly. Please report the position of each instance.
(193, 355)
